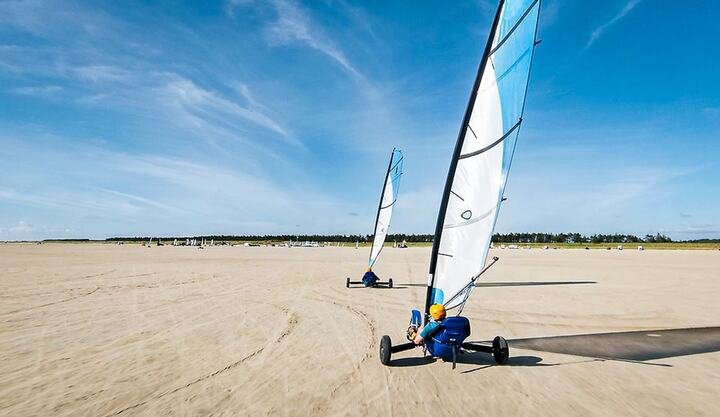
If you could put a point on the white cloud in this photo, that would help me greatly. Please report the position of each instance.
(600, 30)
(21, 227)
(25, 231)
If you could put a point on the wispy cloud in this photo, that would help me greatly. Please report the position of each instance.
(712, 113)
(41, 91)
(208, 104)
(144, 201)
(600, 30)
(100, 73)
(294, 25)
(695, 229)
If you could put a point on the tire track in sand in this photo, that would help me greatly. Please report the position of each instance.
(347, 378)
(292, 322)
(65, 300)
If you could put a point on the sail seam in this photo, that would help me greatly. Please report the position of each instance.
(492, 145)
(527, 12)
(471, 221)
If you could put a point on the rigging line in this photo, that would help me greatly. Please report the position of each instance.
(465, 289)
(527, 12)
(445, 254)
(471, 284)
(492, 145)
(462, 305)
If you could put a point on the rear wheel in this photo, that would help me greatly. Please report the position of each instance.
(390, 283)
(385, 346)
(501, 351)
(347, 283)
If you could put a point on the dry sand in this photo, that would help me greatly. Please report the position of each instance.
(104, 330)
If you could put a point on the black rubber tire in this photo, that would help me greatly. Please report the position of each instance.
(390, 283)
(385, 352)
(501, 350)
(347, 283)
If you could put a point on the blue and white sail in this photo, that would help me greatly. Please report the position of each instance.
(483, 153)
(388, 198)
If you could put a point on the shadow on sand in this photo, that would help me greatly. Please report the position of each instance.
(530, 283)
(635, 346)
(476, 358)
(412, 361)
(515, 284)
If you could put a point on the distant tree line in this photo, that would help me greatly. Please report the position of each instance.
(415, 238)
(284, 238)
(577, 238)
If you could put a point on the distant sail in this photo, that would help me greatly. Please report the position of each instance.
(483, 153)
(387, 202)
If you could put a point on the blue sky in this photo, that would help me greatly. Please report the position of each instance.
(239, 117)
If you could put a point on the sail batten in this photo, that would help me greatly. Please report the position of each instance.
(483, 155)
(388, 198)
(492, 145)
(515, 26)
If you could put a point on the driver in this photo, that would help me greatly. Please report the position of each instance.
(369, 279)
(437, 312)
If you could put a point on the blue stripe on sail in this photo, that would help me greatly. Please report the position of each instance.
(437, 296)
(512, 12)
(512, 62)
(396, 173)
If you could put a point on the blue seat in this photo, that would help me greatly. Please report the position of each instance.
(451, 335)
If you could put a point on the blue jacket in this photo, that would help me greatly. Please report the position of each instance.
(369, 279)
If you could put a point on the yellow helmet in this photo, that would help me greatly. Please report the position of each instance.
(437, 311)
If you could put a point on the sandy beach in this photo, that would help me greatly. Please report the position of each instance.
(105, 330)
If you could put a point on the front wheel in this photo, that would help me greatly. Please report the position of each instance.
(390, 283)
(501, 351)
(385, 346)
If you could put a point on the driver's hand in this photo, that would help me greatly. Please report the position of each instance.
(411, 333)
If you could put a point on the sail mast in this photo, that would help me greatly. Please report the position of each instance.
(454, 161)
